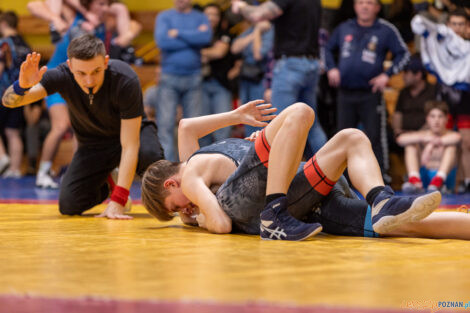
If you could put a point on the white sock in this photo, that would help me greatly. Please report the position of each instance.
(44, 167)
(414, 174)
(467, 181)
(442, 175)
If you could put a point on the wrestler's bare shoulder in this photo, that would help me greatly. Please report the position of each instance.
(213, 167)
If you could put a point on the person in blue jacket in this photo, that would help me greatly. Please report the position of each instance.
(180, 34)
(362, 45)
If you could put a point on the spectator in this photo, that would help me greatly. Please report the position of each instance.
(61, 15)
(253, 44)
(430, 154)
(296, 71)
(457, 21)
(447, 55)
(151, 96)
(217, 61)
(13, 49)
(443, 50)
(37, 128)
(180, 34)
(363, 44)
(467, 30)
(400, 15)
(409, 113)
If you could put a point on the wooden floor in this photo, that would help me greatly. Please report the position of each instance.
(43, 254)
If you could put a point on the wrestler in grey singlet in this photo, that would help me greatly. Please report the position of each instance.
(242, 196)
(233, 148)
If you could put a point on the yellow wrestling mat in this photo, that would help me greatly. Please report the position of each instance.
(47, 255)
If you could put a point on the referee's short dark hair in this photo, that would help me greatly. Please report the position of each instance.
(378, 2)
(85, 47)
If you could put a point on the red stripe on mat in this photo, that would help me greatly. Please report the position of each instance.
(26, 304)
(28, 201)
(452, 206)
(37, 201)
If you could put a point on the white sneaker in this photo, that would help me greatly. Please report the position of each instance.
(4, 163)
(12, 174)
(44, 180)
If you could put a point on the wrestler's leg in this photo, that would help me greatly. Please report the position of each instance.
(450, 225)
(287, 136)
(350, 148)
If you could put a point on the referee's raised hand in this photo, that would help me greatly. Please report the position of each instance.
(30, 74)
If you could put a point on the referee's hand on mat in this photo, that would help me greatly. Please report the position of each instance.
(115, 211)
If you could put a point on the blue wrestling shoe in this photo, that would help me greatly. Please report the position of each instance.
(390, 211)
(277, 224)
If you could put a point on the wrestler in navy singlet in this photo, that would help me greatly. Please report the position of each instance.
(233, 148)
(242, 196)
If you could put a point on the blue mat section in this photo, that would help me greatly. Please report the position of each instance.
(25, 189)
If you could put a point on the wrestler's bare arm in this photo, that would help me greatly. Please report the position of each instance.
(253, 113)
(195, 185)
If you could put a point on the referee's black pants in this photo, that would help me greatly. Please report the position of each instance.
(84, 183)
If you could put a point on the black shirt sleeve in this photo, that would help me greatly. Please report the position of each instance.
(283, 4)
(131, 100)
(51, 80)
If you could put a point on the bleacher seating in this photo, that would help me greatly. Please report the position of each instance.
(36, 33)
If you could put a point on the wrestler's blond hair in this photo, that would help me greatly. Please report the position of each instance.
(153, 190)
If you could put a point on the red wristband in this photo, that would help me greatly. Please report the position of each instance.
(120, 195)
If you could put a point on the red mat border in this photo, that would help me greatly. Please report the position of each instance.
(29, 304)
(37, 201)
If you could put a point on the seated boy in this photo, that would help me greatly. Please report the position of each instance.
(430, 154)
